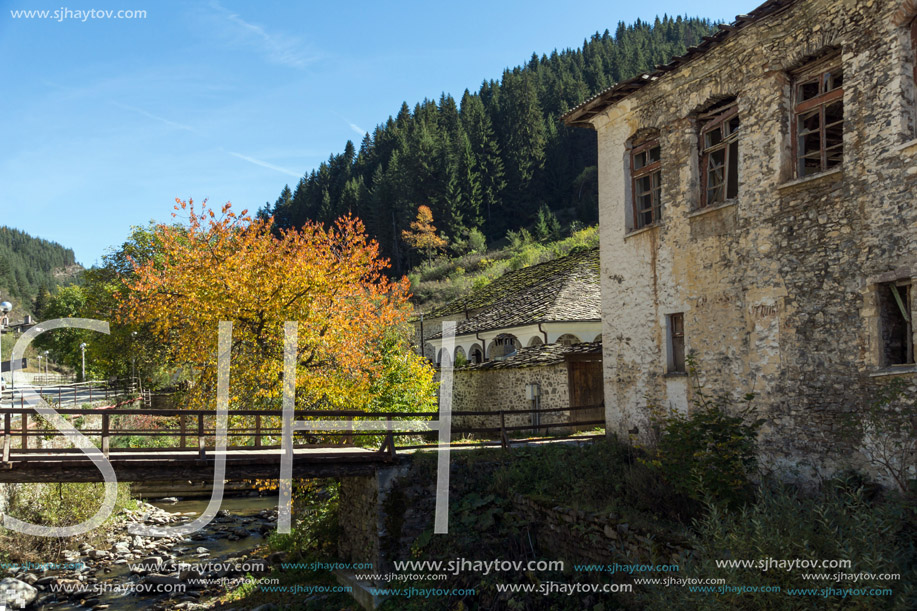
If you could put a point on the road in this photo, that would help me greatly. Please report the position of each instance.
(66, 395)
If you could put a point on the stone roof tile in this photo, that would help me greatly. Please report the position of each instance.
(538, 356)
(562, 290)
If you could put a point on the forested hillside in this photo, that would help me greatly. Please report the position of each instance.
(30, 267)
(491, 160)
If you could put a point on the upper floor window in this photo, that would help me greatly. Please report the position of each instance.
(819, 117)
(646, 183)
(719, 162)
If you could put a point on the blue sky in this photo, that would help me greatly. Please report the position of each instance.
(105, 122)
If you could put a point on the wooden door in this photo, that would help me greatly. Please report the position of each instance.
(586, 390)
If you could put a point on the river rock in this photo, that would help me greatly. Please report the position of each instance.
(44, 581)
(29, 578)
(16, 594)
(163, 580)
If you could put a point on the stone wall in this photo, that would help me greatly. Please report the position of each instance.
(573, 535)
(778, 287)
(362, 516)
(490, 390)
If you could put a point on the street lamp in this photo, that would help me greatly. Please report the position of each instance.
(39, 367)
(83, 348)
(133, 356)
(5, 308)
(47, 363)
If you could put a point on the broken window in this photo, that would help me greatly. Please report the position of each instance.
(676, 343)
(646, 183)
(896, 324)
(819, 117)
(719, 162)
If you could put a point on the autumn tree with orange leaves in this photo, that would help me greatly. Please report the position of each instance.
(216, 267)
(422, 235)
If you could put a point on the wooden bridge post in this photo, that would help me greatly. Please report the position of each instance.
(388, 445)
(25, 431)
(258, 430)
(504, 440)
(105, 424)
(181, 426)
(200, 435)
(7, 438)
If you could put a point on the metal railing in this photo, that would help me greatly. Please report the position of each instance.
(73, 394)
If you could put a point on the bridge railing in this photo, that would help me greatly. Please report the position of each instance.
(194, 431)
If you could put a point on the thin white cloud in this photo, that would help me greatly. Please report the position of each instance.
(357, 128)
(278, 48)
(150, 115)
(265, 164)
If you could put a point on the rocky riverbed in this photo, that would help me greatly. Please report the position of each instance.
(131, 572)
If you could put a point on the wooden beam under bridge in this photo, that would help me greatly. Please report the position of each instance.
(159, 465)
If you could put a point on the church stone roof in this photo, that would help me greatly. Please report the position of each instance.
(538, 356)
(562, 290)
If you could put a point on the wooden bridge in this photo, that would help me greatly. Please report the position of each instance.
(173, 444)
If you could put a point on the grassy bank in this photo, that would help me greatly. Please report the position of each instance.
(443, 279)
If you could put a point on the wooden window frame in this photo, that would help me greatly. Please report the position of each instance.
(820, 71)
(709, 122)
(636, 174)
(914, 59)
(901, 292)
(676, 337)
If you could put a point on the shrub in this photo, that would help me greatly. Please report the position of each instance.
(841, 523)
(55, 505)
(315, 526)
(518, 239)
(887, 433)
(476, 241)
(710, 453)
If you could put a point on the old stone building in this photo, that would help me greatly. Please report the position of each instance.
(757, 209)
(535, 387)
(558, 301)
(527, 342)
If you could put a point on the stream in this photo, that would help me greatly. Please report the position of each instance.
(130, 572)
